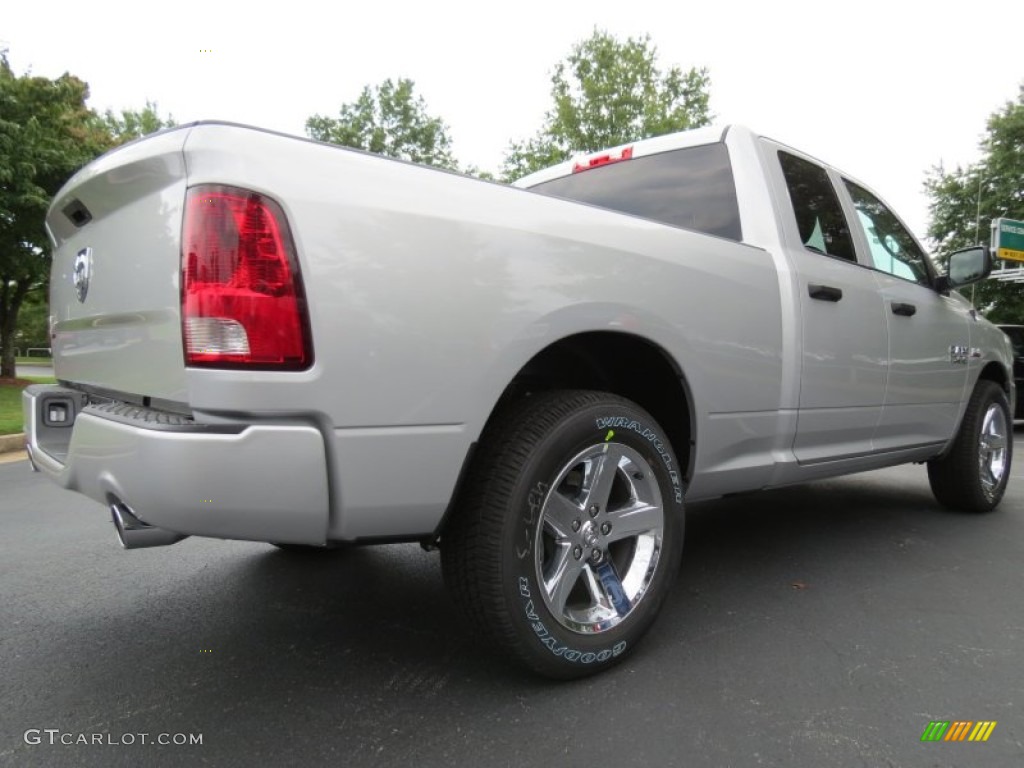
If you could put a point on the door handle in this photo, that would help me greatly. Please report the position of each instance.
(824, 292)
(907, 310)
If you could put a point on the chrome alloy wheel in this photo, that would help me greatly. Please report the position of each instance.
(599, 537)
(992, 450)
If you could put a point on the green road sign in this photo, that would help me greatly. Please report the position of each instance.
(1008, 239)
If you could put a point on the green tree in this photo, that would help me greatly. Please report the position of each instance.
(964, 202)
(605, 93)
(46, 133)
(134, 124)
(33, 320)
(389, 119)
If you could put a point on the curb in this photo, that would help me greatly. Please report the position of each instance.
(12, 443)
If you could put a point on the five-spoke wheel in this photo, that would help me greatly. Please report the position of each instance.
(992, 451)
(568, 536)
(599, 539)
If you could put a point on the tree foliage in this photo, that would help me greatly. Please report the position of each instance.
(33, 321)
(964, 202)
(388, 119)
(605, 93)
(134, 124)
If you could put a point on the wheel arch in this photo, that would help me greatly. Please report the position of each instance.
(992, 371)
(609, 361)
(600, 360)
(1003, 378)
(995, 372)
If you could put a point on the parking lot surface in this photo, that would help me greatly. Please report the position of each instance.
(822, 625)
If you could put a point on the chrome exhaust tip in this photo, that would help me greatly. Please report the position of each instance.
(135, 534)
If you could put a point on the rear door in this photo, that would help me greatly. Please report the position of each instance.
(843, 333)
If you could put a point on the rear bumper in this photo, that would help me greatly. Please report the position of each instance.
(259, 482)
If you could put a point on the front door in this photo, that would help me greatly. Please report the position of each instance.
(929, 334)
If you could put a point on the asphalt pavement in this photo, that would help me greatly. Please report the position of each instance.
(822, 625)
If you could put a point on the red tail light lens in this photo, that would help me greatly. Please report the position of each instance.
(242, 303)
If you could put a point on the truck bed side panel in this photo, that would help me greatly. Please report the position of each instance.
(429, 291)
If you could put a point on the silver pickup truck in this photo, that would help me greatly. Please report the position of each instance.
(265, 338)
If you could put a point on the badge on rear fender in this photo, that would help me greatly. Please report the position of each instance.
(82, 273)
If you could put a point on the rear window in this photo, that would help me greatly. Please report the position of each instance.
(690, 188)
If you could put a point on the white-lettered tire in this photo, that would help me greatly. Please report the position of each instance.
(972, 476)
(568, 534)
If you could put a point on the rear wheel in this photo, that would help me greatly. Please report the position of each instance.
(972, 477)
(568, 537)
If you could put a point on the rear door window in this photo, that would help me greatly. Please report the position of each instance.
(819, 215)
(692, 188)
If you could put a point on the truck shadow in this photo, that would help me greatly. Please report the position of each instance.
(380, 616)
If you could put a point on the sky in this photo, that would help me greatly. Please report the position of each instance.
(883, 90)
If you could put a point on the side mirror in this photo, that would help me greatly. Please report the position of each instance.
(966, 266)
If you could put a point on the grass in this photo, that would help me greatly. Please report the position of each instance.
(11, 422)
(34, 360)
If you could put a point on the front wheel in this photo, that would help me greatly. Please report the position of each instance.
(972, 477)
(568, 537)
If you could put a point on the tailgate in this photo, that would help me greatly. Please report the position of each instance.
(115, 306)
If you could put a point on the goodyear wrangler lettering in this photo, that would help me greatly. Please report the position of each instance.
(634, 426)
(623, 422)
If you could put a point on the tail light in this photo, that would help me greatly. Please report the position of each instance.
(242, 302)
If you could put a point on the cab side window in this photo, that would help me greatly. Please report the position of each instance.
(893, 248)
(819, 216)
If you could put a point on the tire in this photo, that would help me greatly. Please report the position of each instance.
(552, 482)
(972, 477)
